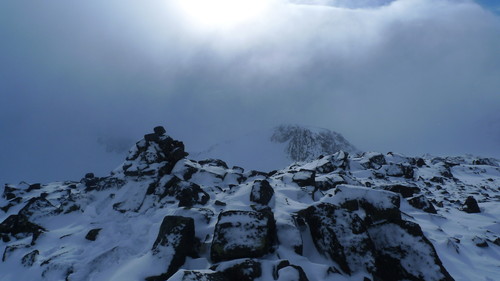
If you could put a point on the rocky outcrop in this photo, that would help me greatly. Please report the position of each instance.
(262, 192)
(470, 205)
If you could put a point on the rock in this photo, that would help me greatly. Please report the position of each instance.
(396, 243)
(497, 241)
(187, 193)
(400, 170)
(34, 186)
(193, 275)
(92, 234)
(378, 205)
(373, 161)
(422, 203)
(29, 259)
(341, 236)
(304, 178)
(38, 207)
(89, 175)
(247, 270)
(159, 130)
(214, 163)
(19, 227)
(286, 272)
(10, 249)
(174, 243)
(420, 162)
(262, 192)
(405, 190)
(471, 206)
(243, 234)
(480, 242)
(327, 182)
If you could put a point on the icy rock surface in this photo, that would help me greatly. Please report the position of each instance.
(340, 216)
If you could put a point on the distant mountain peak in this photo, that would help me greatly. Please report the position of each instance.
(307, 143)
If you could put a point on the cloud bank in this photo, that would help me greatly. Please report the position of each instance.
(410, 76)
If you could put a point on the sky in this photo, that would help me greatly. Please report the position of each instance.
(81, 81)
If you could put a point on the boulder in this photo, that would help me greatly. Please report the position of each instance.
(405, 190)
(92, 234)
(262, 192)
(246, 270)
(38, 207)
(422, 203)
(243, 234)
(373, 160)
(196, 275)
(304, 178)
(470, 205)
(341, 236)
(214, 163)
(404, 253)
(187, 193)
(30, 258)
(159, 130)
(174, 243)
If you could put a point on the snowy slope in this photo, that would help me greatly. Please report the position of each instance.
(276, 148)
(162, 216)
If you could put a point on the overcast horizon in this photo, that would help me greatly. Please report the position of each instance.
(82, 81)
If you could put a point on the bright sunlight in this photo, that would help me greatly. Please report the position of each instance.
(222, 13)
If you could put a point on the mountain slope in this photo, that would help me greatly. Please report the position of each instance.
(163, 216)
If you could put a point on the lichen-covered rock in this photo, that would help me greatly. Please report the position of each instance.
(262, 192)
(243, 234)
(404, 253)
(175, 242)
(341, 236)
(246, 270)
(421, 202)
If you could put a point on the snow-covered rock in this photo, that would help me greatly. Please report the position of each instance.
(339, 216)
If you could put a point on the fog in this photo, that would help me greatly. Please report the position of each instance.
(81, 81)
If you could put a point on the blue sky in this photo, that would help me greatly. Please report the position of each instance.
(82, 78)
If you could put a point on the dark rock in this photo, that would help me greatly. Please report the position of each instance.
(341, 236)
(497, 241)
(219, 203)
(420, 162)
(405, 190)
(159, 130)
(300, 274)
(193, 275)
(10, 249)
(396, 241)
(89, 175)
(437, 180)
(190, 171)
(262, 192)
(92, 234)
(325, 183)
(248, 270)
(243, 234)
(34, 186)
(152, 137)
(214, 163)
(38, 207)
(187, 193)
(480, 242)
(400, 170)
(422, 203)
(20, 227)
(29, 259)
(304, 178)
(174, 243)
(471, 206)
(374, 161)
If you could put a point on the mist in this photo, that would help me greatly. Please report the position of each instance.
(79, 81)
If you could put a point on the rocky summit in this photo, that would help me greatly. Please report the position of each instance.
(342, 216)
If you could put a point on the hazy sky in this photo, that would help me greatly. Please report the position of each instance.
(80, 81)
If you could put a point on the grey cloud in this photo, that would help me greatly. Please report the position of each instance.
(410, 76)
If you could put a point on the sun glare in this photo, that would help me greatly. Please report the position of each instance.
(222, 13)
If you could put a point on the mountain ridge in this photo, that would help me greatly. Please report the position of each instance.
(161, 216)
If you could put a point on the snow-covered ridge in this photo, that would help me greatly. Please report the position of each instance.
(162, 216)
